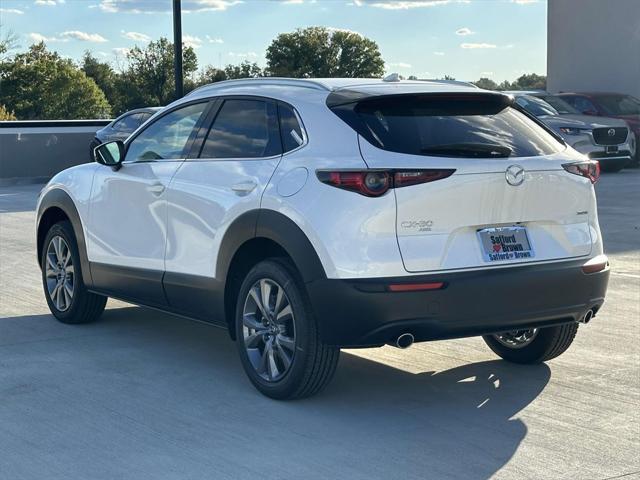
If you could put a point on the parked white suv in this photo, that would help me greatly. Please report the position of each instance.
(310, 215)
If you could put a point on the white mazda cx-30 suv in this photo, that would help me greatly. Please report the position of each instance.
(310, 215)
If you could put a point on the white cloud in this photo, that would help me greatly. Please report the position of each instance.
(477, 45)
(135, 36)
(38, 37)
(191, 41)
(50, 2)
(123, 51)
(11, 10)
(399, 64)
(439, 54)
(84, 36)
(400, 4)
(487, 74)
(163, 6)
(243, 55)
(524, 2)
(213, 40)
(464, 31)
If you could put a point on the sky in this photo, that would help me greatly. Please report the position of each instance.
(467, 39)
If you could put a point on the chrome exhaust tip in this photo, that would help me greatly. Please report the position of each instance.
(404, 341)
(587, 317)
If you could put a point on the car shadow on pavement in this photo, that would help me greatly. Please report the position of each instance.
(144, 382)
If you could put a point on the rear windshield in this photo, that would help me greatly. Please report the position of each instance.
(450, 126)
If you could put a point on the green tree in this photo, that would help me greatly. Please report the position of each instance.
(486, 83)
(320, 52)
(148, 79)
(530, 81)
(39, 84)
(102, 73)
(211, 74)
(244, 70)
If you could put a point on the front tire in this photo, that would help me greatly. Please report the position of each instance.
(64, 288)
(533, 345)
(277, 334)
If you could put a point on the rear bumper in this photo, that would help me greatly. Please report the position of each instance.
(359, 313)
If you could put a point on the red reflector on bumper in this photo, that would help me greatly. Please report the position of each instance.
(414, 287)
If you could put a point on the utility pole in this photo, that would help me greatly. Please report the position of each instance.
(177, 48)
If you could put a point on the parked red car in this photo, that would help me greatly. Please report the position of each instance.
(614, 105)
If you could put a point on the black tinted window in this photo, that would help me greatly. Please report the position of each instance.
(290, 128)
(243, 129)
(452, 126)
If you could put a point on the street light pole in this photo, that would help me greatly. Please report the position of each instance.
(177, 48)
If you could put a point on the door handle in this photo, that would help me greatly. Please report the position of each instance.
(156, 188)
(244, 188)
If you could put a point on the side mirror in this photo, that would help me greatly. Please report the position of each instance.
(110, 154)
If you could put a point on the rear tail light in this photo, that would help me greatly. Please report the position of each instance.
(375, 183)
(588, 168)
(596, 264)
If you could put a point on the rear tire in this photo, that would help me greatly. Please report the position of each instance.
(64, 288)
(277, 334)
(546, 343)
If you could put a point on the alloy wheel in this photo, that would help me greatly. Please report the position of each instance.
(268, 326)
(517, 338)
(60, 273)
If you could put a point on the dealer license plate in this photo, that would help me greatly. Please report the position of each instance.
(505, 243)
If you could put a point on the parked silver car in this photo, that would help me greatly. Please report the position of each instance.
(607, 140)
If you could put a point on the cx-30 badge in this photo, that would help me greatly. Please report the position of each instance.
(514, 175)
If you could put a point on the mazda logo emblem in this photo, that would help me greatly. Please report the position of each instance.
(514, 175)
(611, 132)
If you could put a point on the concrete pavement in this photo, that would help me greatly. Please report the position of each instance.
(145, 395)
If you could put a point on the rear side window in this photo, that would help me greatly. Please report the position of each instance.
(243, 129)
(290, 128)
(449, 126)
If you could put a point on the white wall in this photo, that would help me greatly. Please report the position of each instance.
(593, 45)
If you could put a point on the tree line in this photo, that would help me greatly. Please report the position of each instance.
(41, 84)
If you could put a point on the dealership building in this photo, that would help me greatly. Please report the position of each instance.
(593, 45)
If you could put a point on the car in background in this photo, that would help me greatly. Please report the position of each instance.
(121, 127)
(604, 139)
(602, 104)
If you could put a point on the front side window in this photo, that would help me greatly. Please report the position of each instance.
(470, 126)
(243, 129)
(167, 137)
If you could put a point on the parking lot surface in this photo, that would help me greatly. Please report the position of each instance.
(146, 395)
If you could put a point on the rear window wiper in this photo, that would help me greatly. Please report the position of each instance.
(480, 150)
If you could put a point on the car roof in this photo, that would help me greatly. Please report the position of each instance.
(532, 93)
(291, 87)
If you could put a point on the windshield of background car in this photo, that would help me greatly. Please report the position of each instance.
(560, 105)
(620, 104)
(449, 125)
(535, 106)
